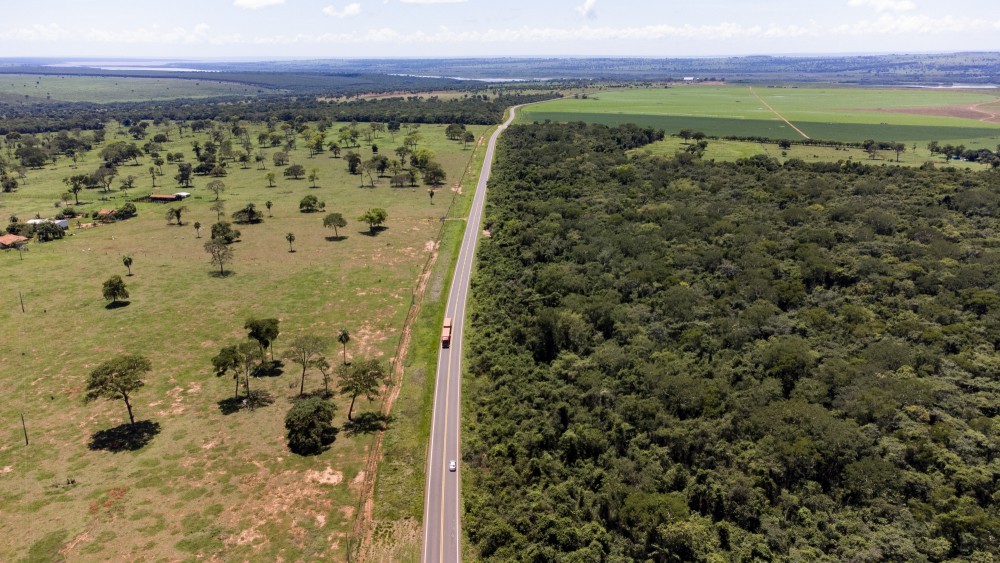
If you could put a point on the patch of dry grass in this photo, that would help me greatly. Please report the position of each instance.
(208, 483)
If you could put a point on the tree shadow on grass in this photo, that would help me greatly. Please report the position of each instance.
(367, 422)
(226, 274)
(336, 239)
(373, 232)
(270, 368)
(124, 437)
(319, 393)
(233, 405)
(312, 449)
(117, 305)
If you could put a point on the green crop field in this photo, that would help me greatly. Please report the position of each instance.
(106, 89)
(833, 113)
(209, 483)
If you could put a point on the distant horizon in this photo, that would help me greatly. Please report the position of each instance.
(296, 29)
(99, 59)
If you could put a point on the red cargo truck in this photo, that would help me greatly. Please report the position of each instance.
(446, 333)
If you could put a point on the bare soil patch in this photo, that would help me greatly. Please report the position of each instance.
(977, 112)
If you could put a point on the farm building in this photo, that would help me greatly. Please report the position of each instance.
(163, 198)
(10, 241)
(182, 195)
(62, 223)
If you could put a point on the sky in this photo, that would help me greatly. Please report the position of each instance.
(272, 29)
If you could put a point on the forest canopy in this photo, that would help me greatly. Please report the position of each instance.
(674, 359)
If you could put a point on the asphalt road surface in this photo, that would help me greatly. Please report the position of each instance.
(442, 514)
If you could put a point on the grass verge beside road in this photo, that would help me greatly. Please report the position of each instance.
(399, 491)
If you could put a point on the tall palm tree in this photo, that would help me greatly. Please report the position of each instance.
(344, 337)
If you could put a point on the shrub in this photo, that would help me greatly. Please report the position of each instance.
(310, 426)
(311, 204)
(225, 232)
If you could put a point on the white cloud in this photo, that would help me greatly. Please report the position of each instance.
(349, 10)
(915, 25)
(256, 4)
(199, 34)
(587, 8)
(37, 32)
(884, 5)
(432, 1)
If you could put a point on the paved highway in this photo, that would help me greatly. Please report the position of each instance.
(442, 514)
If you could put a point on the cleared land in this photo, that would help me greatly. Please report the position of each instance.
(106, 89)
(208, 483)
(838, 114)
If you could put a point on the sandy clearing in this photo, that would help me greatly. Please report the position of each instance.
(975, 112)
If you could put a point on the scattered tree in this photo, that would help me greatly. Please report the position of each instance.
(175, 213)
(114, 289)
(242, 359)
(118, 378)
(326, 371)
(336, 221)
(264, 332)
(311, 204)
(224, 231)
(127, 261)
(219, 207)
(220, 253)
(295, 171)
(363, 377)
(344, 337)
(374, 217)
(197, 229)
(184, 172)
(248, 215)
(434, 174)
(216, 187)
(270, 179)
(268, 204)
(305, 351)
(353, 161)
(290, 237)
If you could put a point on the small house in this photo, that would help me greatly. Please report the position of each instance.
(182, 195)
(11, 241)
(105, 215)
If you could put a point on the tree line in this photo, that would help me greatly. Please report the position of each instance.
(471, 109)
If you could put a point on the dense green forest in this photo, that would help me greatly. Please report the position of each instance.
(473, 109)
(677, 360)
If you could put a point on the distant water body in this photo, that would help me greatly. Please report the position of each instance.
(476, 79)
(954, 86)
(128, 65)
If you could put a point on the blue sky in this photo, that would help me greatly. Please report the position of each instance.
(432, 28)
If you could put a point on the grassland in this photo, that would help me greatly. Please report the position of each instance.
(839, 114)
(208, 483)
(106, 89)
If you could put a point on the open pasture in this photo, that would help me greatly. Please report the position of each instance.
(211, 481)
(107, 89)
(830, 113)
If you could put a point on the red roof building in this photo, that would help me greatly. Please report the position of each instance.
(10, 241)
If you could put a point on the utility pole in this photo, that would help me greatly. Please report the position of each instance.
(25, 428)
